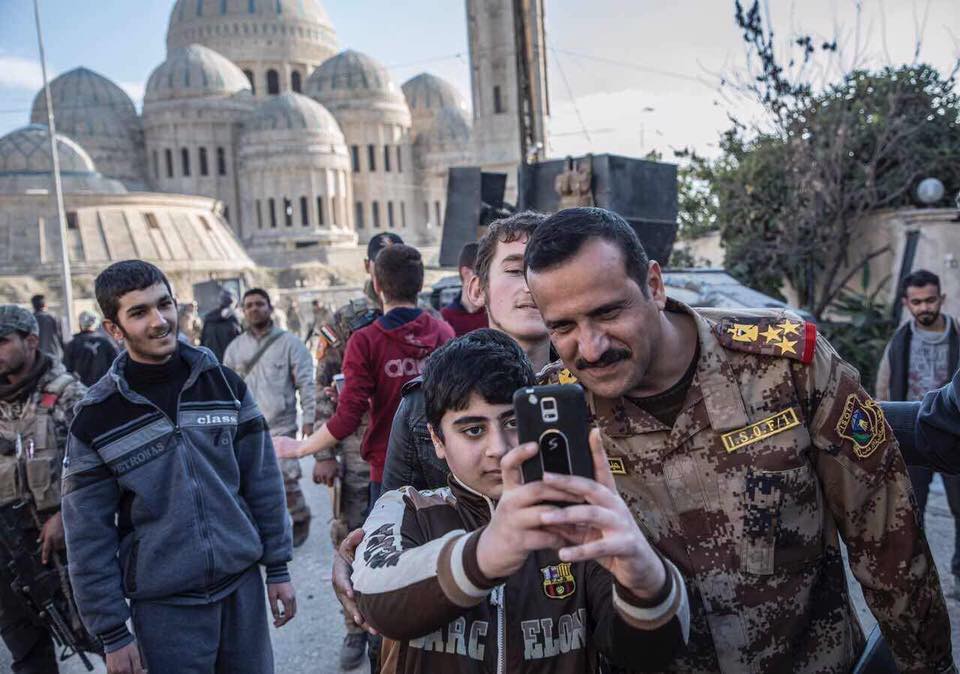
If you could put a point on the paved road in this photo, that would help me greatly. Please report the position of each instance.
(310, 644)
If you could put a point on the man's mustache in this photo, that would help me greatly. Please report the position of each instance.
(609, 357)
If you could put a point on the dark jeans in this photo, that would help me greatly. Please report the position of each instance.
(920, 478)
(30, 644)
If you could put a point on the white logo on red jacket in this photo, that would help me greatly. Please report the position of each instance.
(403, 367)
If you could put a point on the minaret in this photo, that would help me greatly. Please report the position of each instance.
(508, 73)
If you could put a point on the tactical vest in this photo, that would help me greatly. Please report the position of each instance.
(36, 473)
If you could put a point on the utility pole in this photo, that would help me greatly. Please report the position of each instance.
(67, 318)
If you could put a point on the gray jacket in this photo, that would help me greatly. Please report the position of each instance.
(284, 369)
(177, 512)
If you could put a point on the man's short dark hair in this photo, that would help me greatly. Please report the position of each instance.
(380, 241)
(399, 272)
(468, 255)
(257, 291)
(125, 277)
(483, 361)
(518, 226)
(38, 302)
(919, 279)
(563, 234)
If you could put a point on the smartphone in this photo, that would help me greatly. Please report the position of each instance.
(339, 381)
(555, 417)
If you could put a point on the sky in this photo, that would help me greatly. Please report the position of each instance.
(625, 76)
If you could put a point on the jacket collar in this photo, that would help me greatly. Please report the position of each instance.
(198, 358)
(475, 508)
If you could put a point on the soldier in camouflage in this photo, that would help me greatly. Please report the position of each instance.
(37, 398)
(747, 449)
(345, 461)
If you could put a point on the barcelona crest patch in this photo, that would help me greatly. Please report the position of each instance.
(862, 423)
(558, 581)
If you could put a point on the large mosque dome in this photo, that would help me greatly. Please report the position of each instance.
(427, 94)
(353, 80)
(26, 164)
(293, 112)
(194, 71)
(282, 40)
(101, 117)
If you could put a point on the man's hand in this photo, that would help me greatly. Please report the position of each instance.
(283, 603)
(286, 448)
(603, 528)
(51, 538)
(325, 471)
(125, 661)
(342, 561)
(306, 431)
(333, 395)
(516, 529)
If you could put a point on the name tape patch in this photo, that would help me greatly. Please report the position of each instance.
(778, 423)
(616, 466)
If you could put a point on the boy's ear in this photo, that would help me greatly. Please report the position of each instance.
(437, 443)
(475, 291)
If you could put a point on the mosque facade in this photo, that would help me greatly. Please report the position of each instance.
(260, 142)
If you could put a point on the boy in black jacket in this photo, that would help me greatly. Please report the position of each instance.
(172, 497)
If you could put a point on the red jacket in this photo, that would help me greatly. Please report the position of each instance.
(380, 359)
(462, 320)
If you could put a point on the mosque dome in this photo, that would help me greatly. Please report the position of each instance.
(252, 31)
(25, 163)
(194, 71)
(354, 80)
(87, 103)
(427, 93)
(293, 112)
(449, 127)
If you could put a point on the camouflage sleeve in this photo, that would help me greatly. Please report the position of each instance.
(867, 490)
(65, 411)
(329, 363)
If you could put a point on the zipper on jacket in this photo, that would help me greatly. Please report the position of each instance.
(497, 599)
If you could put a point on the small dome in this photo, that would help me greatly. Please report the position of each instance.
(292, 112)
(193, 72)
(351, 78)
(449, 126)
(427, 92)
(87, 104)
(27, 150)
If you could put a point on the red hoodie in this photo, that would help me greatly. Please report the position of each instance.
(378, 362)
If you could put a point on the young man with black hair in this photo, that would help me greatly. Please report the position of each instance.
(476, 576)
(746, 448)
(922, 356)
(380, 359)
(173, 498)
(221, 325)
(51, 334)
(277, 368)
(462, 314)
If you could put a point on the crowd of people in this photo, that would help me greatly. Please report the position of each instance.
(732, 451)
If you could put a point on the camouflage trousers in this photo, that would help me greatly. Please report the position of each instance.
(354, 501)
(296, 503)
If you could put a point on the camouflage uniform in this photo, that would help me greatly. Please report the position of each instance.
(355, 472)
(776, 453)
(42, 422)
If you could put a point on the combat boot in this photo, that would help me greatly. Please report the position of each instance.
(352, 650)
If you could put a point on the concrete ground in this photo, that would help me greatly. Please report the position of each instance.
(310, 644)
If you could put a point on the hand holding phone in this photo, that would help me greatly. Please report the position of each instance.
(554, 417)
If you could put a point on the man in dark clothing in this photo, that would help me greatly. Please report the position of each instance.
(51, 336)
(920, 357)
(220, 326)
(89, 354)
(380, 359)
(173, 499)
(463, 314)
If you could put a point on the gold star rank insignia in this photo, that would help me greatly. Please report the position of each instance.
(790, 328)
(771, 334)
(744, 333)
(786, 346)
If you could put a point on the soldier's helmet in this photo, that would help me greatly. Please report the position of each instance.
(17, 319)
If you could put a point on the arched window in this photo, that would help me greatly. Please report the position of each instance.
(358, 214)
(273, 82)
(203, 161)
(185, 160)
(223, 6)
(390, 214)
(320, 210)
(403, 214)
(386, 158)
(355, 158)
(259, 216)
(221, 162)
(399, 160)
(273, 212)
(168, 155)
(156, 165)
(287, 212)
(375, 213)
(295, 81)
(253, 86)
(304, 213)
(372, 157)
(199, 7)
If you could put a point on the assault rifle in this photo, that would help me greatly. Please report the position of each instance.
(43, 591)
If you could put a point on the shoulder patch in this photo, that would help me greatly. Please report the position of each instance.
(768, 336)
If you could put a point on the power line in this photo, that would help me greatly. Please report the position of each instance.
(573, 101)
